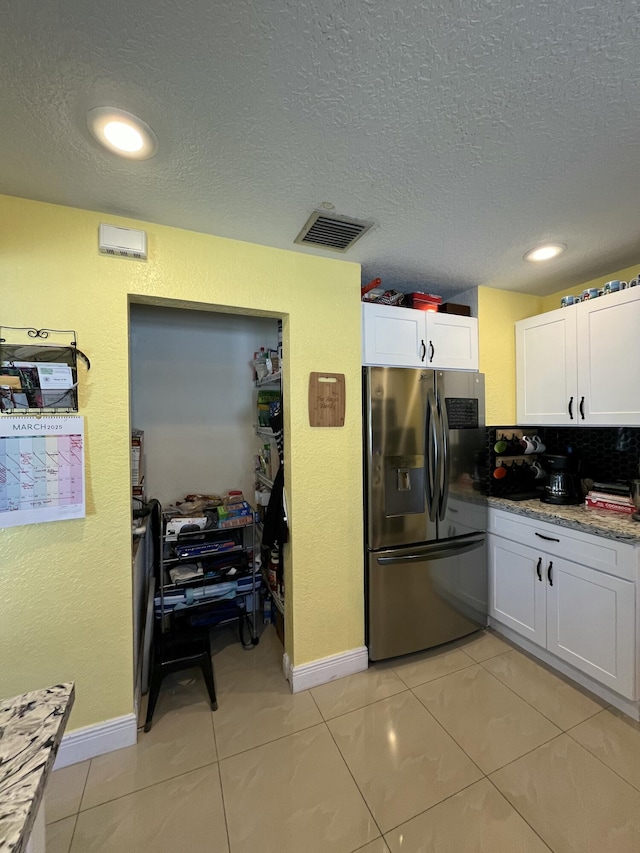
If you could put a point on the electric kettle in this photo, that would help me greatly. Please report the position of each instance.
(563, 482)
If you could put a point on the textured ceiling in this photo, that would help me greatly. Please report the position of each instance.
(467, 130)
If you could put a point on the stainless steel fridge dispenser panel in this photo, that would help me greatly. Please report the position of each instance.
(395, 450)
(419, 598)
(404, 487)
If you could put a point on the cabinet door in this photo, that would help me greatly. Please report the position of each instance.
(392, 336)
(608, 359)
(452, 341)
(591, 623)
(516, 593)
(546, 369)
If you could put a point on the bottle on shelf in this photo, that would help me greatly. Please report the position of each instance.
(273, 570)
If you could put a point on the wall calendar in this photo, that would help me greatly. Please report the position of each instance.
(41, 469)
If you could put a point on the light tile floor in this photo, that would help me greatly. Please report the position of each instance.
(471, 748)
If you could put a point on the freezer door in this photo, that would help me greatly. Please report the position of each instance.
(419, 598)
(399, 456)
(461, 437)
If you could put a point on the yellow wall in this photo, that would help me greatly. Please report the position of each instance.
(549, 303)
(498, 310)
(65, 586)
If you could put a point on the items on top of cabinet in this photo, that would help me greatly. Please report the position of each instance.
(38, 377)
(573, 367)
(613, 286)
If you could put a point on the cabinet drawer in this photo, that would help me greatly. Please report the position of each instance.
(607, 555)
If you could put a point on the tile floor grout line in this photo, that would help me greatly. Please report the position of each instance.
(448, 733)
(146, 787)
(367, 843)
(522, 699)
(514, 807)
(366, 705)
(435, 805)
(552, 672)
(274, 740)
(528, 752)
(597, 757)
(355, 782)
(75, 823)
(444, 675)
(224, 807)
(84, 787)
(553, 722)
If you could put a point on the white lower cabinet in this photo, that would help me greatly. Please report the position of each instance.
(582, 615)
(518, 598)
(591, 623)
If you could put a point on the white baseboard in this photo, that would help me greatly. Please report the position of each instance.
(325, 669)
(96, 740)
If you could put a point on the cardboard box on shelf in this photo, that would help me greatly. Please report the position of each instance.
(235, 521)
(137, 457)
(454, 308)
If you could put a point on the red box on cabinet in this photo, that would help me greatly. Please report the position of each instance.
(425, 301)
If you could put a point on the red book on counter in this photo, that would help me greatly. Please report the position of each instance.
(597, 503)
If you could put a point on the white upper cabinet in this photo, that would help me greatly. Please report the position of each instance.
(392, 336)
(576, 365)
(546, 368)
(405, 337)
(608, 359)
(452, 341)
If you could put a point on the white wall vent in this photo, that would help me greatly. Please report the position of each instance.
(123, 242)
(334, 232)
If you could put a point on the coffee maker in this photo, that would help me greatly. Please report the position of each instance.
(563, 480)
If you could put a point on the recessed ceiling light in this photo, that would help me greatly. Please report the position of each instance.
(122, 132)
(545, 253)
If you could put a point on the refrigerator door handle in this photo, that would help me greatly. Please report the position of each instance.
(434, 553)
(431, 456)
(446, 457)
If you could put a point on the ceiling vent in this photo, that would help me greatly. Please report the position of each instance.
(337, 233)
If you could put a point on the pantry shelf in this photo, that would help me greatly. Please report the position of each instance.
(264, 432)
(271, 379)
(264, 480)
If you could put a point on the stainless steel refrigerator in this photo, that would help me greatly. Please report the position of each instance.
(425, 524)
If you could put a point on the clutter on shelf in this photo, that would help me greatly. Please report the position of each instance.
(374, 292)
(204, 512)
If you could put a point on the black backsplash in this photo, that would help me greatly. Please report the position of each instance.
(607, 454)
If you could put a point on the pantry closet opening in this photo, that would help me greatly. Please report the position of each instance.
(193, 396)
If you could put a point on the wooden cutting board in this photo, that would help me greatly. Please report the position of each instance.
(326, 399)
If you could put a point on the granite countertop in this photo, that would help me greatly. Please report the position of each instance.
(611, 525)
(31, 728)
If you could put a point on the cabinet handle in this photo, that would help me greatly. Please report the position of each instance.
(548, 538)
(571, 407)
(549, 576)
(433, 351)
(423, 350)
(582, 408)
(538, 567)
